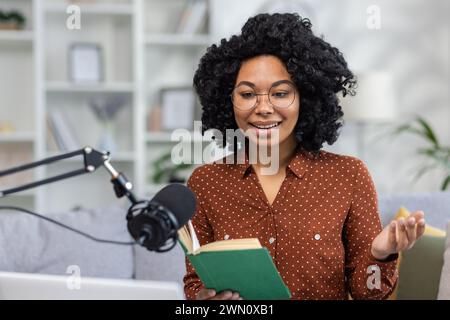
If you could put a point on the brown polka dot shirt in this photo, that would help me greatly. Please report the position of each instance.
(319, 228)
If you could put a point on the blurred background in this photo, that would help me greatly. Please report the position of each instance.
(117, 76)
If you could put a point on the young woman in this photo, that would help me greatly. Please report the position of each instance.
(318, 213)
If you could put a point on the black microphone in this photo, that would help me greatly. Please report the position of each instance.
(154, 224)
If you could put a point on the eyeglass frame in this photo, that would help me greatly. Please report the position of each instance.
(276, 83)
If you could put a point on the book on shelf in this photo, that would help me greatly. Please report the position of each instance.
(62, 131)
(241, 265)
(52, 143)
(193, 17)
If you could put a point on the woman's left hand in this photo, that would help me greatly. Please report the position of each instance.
(399, 235)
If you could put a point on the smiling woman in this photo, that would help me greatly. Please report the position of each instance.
(316, 69)
(280, 111)
(317, 214)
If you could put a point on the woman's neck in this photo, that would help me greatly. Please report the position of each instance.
(286, 151)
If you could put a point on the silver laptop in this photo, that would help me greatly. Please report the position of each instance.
(24, 286)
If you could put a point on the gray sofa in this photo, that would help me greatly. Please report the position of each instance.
(30, 245)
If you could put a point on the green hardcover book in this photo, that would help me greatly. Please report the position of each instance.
(241, 265)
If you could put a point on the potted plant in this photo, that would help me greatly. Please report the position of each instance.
(166, 171)
(436, 155)
(12, 20)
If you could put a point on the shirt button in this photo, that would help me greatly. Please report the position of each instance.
(317, 236)
(271, 240)
(226, 237)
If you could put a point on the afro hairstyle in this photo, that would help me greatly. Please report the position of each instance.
(318, 69)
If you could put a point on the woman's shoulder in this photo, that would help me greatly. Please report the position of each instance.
(339, 161)
(347, 168)
(337, 157)
(209, 172)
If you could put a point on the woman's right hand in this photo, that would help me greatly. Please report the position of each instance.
(210, 294)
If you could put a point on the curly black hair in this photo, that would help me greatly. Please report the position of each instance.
(318, 70)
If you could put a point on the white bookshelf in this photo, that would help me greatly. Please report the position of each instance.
(165, 137)
(16, 37)
(67, 87)
(142, 53)
(17, 108)
(16, 136)
(177, 40)
(169, 60)
(26, 194)
(110, 8)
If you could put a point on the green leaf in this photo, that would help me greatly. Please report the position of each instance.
(428, 131)
(446, 183)
(441, 159)
(402, 128)
(157, 177)
(427, 151)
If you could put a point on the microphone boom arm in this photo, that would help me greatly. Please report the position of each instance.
(92, 160)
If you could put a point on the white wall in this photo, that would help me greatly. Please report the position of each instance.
(412, 45)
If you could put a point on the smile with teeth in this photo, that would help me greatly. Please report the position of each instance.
(267, 126)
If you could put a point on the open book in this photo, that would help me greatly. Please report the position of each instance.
(241, 265)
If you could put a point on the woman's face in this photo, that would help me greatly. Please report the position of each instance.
(259, 75)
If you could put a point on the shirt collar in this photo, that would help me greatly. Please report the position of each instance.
(298, 164)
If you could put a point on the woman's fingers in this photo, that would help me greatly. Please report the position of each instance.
(417, 215)
(411, 231)
(235, 296)
(420, 228)
(392, 235)
(402, 237)
(226, 295)
(401, 234)
(205, 294)
(210, 294)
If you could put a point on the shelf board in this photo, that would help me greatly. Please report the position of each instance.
(124, 156)
(106, 9)
(55, 87)
(164, 137)
(21, 37)
(177, 40)
(17, 136)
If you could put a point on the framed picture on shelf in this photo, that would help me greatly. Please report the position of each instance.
(85, 63)
(177, 108)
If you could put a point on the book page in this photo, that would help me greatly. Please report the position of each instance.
(234, 244)
(185, 238)
(195, 242)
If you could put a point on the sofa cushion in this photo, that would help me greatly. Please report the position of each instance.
(436, 206)
(420, 269)
(444, 285)
(429, 231)
(32, 245)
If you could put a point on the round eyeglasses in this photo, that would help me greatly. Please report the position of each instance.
(281, 96)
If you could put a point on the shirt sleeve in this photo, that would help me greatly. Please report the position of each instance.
(204, 232)
(366, 277)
